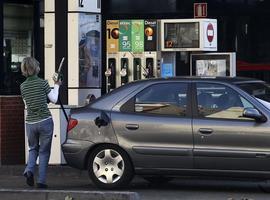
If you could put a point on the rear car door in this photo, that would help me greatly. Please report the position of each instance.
(223, 138)
(154, 126)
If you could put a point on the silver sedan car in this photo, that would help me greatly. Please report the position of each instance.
(191, 126)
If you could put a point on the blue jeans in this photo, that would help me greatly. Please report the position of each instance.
(39, 141)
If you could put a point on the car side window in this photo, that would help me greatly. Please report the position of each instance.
(220, 101)
(163, 99)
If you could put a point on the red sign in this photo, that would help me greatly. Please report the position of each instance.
(210, 32)
(200, 10)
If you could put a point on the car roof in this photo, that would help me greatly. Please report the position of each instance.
(107, 101)
(234, 80)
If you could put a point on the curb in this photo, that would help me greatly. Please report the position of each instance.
(53, 170)
(10, 194)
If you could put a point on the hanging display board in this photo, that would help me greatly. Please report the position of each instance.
(189, 35)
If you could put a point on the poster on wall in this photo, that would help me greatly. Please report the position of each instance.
(213, 64)
(211, 67)
(125, 35)
(137, 36)
(150, 35)
(89, 50)
(112, 36)
(167, 70)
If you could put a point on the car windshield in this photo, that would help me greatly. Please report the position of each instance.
(258, 89)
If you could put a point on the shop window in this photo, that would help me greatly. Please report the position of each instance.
(17, 44)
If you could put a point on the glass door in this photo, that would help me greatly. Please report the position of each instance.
(17, 43)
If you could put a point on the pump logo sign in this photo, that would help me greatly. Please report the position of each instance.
(125, 35)
(112, 36)
(137, 36)
(150, 36)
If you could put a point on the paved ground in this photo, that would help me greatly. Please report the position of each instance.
(67, 179)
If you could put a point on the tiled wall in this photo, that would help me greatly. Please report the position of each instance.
(12, 145)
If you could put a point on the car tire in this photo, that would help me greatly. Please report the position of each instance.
(109, 167)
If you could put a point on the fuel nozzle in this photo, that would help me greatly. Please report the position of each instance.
(108, 72)
(123, 71)
(58, 76)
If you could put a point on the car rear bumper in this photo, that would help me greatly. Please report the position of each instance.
(75, 152)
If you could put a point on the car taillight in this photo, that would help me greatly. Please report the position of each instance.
(72, 123)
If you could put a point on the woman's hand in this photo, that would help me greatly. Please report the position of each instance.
(57, 78)
(59, 82)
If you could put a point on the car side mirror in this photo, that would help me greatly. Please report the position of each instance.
(254, 114)
(102, 120)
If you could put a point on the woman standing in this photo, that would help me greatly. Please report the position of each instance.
(39, 123)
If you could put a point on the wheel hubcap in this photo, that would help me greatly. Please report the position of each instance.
(108, 166)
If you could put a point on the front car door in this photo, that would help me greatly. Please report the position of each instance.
(223, 138)
(154, 126)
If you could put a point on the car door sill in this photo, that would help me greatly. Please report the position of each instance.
(229, 153)
(170, 151)
(204, 172)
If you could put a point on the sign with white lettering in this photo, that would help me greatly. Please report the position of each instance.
(112, 27)
(137, 36)
(125, 35)
(150, 35)
(84, 6)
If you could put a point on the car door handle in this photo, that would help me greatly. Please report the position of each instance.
(132, 126)
(206, 131)
(261, 155)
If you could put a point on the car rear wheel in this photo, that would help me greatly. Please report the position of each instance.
(109, 167)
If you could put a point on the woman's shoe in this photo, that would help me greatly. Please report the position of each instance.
(29, 178)
(42, 186)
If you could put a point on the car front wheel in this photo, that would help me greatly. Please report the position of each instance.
(109, 167)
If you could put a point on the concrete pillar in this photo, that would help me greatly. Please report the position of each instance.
(83, 19)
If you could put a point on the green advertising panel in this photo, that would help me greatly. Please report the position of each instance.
(137, 35)
(125, 35)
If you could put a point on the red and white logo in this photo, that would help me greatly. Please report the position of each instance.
(210, 32)
(200, 10)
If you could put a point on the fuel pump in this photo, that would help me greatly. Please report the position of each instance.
(124, 71)
(137, 69)
(149, 68)
(111, 74)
